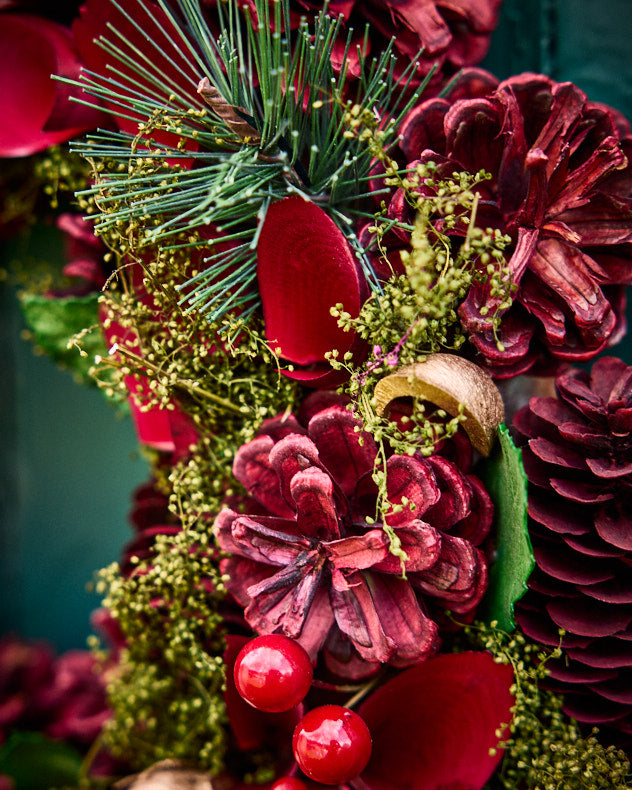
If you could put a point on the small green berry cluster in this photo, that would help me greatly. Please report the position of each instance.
(166, 692)
(545, 749)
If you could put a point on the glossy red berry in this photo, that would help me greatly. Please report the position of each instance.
(273, 673)
(332, 744)
(289, 783)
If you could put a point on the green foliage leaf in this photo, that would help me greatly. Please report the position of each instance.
(54, 321)
(505, 479)
(35, 762)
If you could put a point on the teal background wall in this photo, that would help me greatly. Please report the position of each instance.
(68, 466)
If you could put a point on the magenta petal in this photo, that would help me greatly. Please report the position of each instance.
(587, 617)
(454, 504)
(381, 617)
(433, 726)
(459, 577)
(422, 544)
(305, 266)
(357, 617)
(284, 601)
(267, 540)
(614, 525)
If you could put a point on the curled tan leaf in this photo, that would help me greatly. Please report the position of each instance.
(447, 381)
(233, 116)
(166, 775)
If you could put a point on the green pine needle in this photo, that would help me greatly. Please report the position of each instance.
(283, 86)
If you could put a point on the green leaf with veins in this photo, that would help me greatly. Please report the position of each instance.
(506, 482)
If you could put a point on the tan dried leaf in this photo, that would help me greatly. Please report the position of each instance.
(166, 775)
(229, 113)
(447, 381)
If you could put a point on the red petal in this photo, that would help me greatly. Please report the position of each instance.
(382, 618)
(434, 725)
(169, 64)
(473, 134)
(292, 454)
(152, 425)
(32, 49)
(305, 267)
(459, 576)
(588, 617)
(260, 541)
(454, 503)
(283, 601)
(614, 524)
(422, 544)
(423, 128)
(563, 269)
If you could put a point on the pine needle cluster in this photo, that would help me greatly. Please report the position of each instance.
(261, 125)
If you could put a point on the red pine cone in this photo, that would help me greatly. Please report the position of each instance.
(578, 458)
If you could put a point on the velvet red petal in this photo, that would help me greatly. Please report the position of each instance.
(305, 266)
(32, 49)
(433, 725)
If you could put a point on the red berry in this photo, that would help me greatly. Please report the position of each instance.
(273, 673)
(332, 744)
(289, 783)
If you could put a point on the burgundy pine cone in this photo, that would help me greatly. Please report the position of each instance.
(577, 452)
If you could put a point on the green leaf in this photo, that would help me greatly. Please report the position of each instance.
(54, 321)
(505, 479)
(35, 762)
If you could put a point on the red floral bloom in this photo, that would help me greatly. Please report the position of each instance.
(561, 187)
(63, 696)
(307, 563)
(36, 111)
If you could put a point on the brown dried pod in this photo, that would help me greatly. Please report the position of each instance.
(234, 117)
(166, 775)
(448, 381)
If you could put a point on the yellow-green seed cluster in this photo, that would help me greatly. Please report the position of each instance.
(545, 749)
